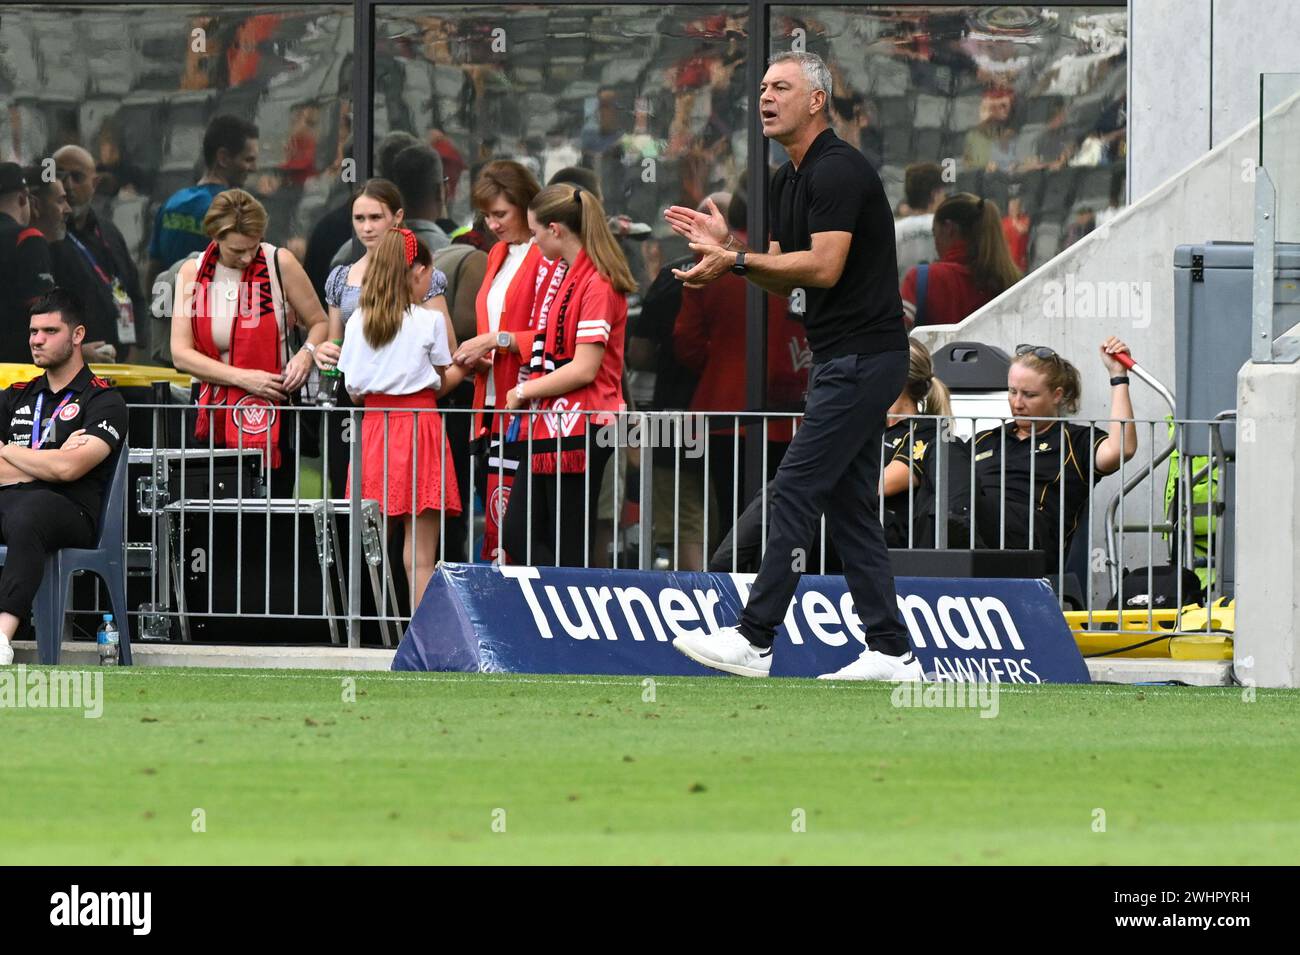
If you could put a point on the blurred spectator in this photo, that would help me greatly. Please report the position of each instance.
(230, 147)
(453, 163)
(99, 240)
(558, 154)
(1115, 204)
(1015, 229)
(709, 339)
(1084, 221)
(650, 340)
(974, 265)
(1054, 146)
(476, 233)
(26, 272)
(578, 176)
(986, 141)
(914, 233)
(335, 227)
(230, 330)
(1112, 128)
(73, 272)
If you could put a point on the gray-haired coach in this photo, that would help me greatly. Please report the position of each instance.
(833, 237)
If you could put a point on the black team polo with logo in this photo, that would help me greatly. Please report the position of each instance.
(40, 517)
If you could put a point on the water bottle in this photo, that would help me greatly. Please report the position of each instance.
(107, 640)
(327, 396)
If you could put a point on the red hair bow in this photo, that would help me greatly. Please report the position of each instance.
(409, 241)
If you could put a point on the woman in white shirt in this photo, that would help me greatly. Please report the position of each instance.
(396, 354)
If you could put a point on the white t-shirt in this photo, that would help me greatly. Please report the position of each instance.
(496, 298)
(914, 240)
(406, 364)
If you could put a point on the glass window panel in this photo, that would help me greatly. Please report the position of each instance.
(653, 98)
(136, 86)
(1025, 106)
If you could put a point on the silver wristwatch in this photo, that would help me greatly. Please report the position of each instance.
(503, 340)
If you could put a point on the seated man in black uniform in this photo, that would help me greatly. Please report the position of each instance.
(60, 435)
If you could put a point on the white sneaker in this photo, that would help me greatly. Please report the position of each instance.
(726, 650)
(874, 665)
(6, 653)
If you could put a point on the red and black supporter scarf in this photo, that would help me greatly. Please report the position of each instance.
(246, 420)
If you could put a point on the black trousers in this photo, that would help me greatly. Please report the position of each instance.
(833, 467)
(573, 504)
(457, 426)
(34, 522)
(746, 540)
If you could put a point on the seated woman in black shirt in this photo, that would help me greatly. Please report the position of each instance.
(1034, 476)
(907, 457)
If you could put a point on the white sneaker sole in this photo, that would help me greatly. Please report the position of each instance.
(733, 668)
(908, 674)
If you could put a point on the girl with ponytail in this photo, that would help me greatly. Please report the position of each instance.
(397, 354)
(973, 268)
(575, 367)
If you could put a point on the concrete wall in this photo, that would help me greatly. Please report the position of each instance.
(1194, 76)
(1268, 575)
(1212, 199)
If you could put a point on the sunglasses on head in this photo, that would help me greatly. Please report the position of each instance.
(1038, 351)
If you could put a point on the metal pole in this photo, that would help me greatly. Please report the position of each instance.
(1261, 305)
(354, 533)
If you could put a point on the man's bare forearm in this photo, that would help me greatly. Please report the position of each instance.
(786, 271)
(13, 475)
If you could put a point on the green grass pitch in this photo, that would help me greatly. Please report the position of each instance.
(430, 768)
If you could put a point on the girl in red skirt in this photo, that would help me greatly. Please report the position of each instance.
(396, 354)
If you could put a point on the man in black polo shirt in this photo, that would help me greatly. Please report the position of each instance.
(25, 270)
(832, 246)
(60, 434)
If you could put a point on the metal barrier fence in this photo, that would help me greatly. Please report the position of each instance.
(201, 513)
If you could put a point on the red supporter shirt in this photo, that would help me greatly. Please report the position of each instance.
(604, 322)
(709, 339)
(951, 292)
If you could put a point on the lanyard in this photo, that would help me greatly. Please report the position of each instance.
(44, 435)
(103, 276)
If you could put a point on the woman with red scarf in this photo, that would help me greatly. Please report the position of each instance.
(575, 369)
(505, 323)
(230, 321)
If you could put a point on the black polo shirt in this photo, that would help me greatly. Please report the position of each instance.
(93, 405)
(25, 267)
(1052, 464)
(836, 190)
